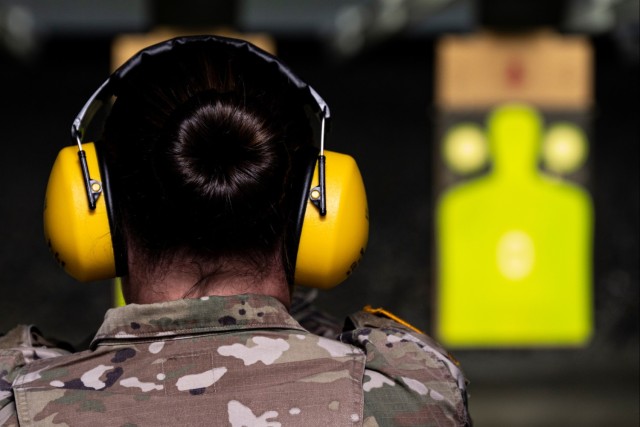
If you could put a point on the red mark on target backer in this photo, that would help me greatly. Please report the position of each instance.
(514, 73)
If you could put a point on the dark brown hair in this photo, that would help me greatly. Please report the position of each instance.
(199, 145)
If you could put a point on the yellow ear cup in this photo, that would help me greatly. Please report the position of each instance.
(331, 246)
(79, 238)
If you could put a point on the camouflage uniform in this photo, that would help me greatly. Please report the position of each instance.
(235, 361)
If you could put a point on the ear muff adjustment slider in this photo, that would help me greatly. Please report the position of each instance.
(93, 187)
(317, 195)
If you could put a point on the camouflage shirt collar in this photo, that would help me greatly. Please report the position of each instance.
(193, 316)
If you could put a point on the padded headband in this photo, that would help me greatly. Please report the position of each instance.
(110, 86)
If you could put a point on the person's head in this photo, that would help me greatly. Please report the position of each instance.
(199, 146)
(204, 179)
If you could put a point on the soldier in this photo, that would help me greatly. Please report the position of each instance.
(202, 147)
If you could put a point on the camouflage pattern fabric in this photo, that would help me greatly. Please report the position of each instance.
(310, 317)
(20, 346)
(235, 361)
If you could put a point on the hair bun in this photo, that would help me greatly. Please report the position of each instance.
(224, 164)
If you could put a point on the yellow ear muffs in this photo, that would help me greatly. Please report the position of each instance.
(90, 245)
(331, 246)
(79, 238)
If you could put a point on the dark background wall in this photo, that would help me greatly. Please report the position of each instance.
(381, 102)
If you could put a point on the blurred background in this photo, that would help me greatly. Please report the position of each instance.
(389, 69)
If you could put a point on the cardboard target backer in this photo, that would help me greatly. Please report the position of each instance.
(514, 217)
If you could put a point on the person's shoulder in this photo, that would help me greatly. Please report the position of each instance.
(25, 346)
(409, 378)
(23, 350)
(11, 362)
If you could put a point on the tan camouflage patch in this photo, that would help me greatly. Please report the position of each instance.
(327, 377)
